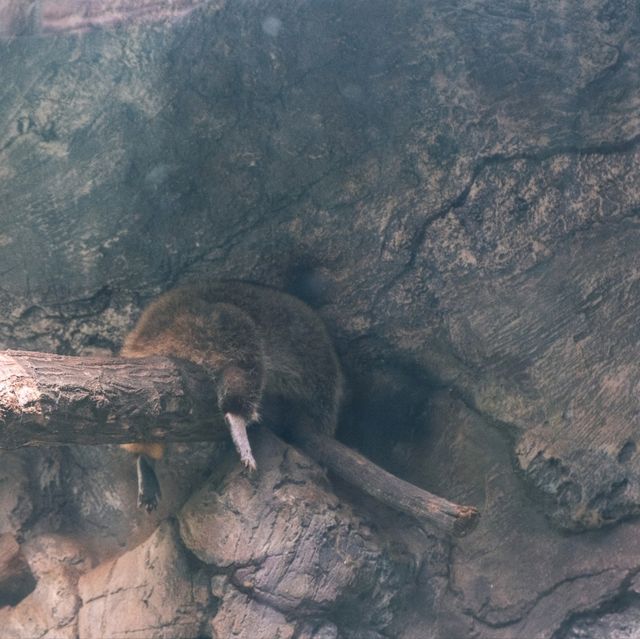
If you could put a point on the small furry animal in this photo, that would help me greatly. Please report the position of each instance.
(265, 348)
(256, 342)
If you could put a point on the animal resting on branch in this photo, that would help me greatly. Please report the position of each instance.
(55, 399)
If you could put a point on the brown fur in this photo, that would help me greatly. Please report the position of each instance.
(256, 341)
(153, 450)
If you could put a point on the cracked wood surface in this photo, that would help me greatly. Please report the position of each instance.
(48, 398)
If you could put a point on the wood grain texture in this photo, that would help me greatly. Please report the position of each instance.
(48, 398)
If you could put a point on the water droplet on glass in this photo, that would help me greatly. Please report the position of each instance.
(351, 92)
(271, 26)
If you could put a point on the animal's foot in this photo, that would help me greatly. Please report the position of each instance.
(238, 429)
(249, 463)
(148, 486)
(148, 502)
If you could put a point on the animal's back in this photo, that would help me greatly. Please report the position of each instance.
(265, 328)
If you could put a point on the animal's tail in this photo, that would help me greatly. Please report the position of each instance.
(392, 491)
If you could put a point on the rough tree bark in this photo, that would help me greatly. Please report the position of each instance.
(48, 398)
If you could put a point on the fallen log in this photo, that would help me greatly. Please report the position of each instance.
(47, 398)
(56, 399)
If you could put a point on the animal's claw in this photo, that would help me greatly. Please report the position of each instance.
(148, 502)
(250, 464)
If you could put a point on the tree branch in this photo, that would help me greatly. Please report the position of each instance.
(48, 398)
(58, 399)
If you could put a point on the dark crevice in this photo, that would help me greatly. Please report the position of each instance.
(527, 607)
(622, 600)
(610, 148)
(541, 155)
(19, 586)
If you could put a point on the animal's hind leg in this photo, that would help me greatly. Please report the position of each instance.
(149, 492)
(148, 486)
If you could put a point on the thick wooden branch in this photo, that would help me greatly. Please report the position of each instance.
(57, 399)
(48, 398)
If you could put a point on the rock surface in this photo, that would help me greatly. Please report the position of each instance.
(51, 610)
(284, 540)
(152, 590)
(452, 184)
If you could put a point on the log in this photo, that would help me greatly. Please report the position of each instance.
(54, 399)
(57, 399)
